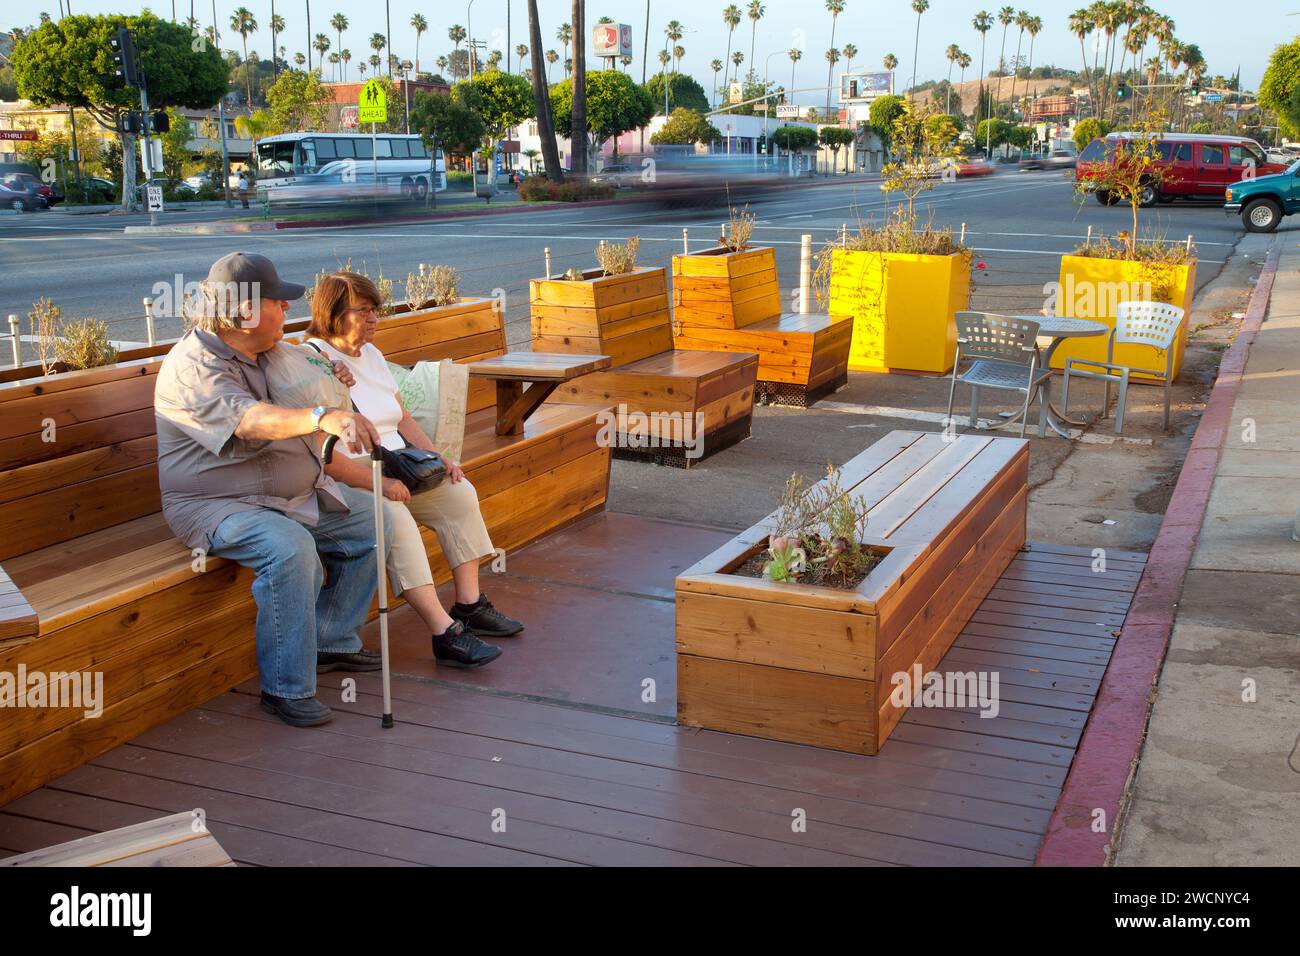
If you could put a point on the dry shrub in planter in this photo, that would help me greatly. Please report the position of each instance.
(739, 230)
(434, 286)
(617, 259)
(383, 284)
(66, 346)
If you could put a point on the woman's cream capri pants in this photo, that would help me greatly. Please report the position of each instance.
(452, 511)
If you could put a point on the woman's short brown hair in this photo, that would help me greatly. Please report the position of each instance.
(336, 294)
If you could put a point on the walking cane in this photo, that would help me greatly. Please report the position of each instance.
(377, 486)
(377, 480)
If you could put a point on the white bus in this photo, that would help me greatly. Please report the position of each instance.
(341, 167)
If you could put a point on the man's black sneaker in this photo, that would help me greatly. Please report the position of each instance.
(459, 647)
(362, 660)
(305, 712)
(484, 619)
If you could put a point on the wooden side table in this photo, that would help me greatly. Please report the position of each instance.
(544, 370)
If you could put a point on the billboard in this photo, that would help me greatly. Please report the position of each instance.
(612, 39)
(865, 86)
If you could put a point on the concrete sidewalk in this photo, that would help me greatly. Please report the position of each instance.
(1218, 783)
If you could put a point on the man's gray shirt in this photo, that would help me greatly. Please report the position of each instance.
(205, 471)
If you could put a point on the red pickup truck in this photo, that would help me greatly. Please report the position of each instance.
(1195, 166)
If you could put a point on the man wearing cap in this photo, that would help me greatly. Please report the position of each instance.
(240, 480)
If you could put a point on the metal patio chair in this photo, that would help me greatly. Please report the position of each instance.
(1136, 323)
(1004, 354)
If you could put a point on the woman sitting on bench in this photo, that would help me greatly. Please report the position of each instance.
(343, 320)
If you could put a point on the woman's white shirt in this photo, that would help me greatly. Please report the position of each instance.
(375, 392)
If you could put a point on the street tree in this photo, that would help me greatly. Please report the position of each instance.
(616, 104)
(686, 126)
(683, 90)
(502, 100)
(445, 122)
(542, 97)
(298, 101)
(795, 138)
(1280, 90)
(836, 137)
(69, 62)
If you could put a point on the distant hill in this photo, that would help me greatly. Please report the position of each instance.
(970, 90)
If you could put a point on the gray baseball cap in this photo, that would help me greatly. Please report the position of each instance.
(247, 268)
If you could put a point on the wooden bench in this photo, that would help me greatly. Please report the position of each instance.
(93, 580)
(816, 665)
(177, 840)
(731, 301)
(659, 393)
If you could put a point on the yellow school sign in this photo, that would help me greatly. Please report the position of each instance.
(372, 104)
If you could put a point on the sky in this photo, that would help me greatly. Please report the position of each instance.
(1229, 39)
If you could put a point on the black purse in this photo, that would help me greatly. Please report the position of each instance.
(416, 468)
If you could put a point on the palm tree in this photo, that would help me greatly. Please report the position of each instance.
(578, 117)
(299, 59)
(494, 60)
(542, 99)
(1022, 21)
(626, 61)
(277, 27)
(419, 25)
(374, 62)
(321, 44)
(1006, 16)
(340, 23)
(920, 6)
(850, 51)
(953, 53)
(737, 58)
(345, 57)
(334, 62)
(832, 57)
(309, 38)
(1081, 25)
(243, 23)
(836, 7)
(565, 35)
(795, 54)
(731, 17)
(521, 51)
(377, 42)
(673, 32)
(983, 23)
(716, 67)
(361, 69)
(1035, 27)
(963, 62)
(755, 13)
(551, 57)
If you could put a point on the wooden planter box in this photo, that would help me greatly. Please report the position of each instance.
(902, 308)
(718, 289)
(814, 665)
(1091, 288)
(625, 317)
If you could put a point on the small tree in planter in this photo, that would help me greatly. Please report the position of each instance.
(1131, 265)
(902, 281)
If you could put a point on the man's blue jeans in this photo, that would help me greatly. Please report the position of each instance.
(296, 616)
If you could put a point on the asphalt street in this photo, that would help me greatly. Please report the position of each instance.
(1018, 224)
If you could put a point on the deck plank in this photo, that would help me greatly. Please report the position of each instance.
(587, 778)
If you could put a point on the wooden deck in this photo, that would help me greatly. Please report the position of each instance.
(556, 741)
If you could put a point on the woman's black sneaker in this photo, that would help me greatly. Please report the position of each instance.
(459, 647)
(484, 619)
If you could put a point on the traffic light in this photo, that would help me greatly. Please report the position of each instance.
(132, 121)
(1123, 92)
(124, 64)
(160, 121)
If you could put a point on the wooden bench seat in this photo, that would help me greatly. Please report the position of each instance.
(179, 839)
(800, 357)
(817, 665)
(731, 301)
(107, 587)
(627, 317)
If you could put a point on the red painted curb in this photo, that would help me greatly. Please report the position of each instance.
(1112, 740)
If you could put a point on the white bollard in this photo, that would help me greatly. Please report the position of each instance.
(547, 250)
(1189, 242)
(148, 322)
(686, 241)
(15, 341)
(1090, 234)
(805, 272)
(963, 233)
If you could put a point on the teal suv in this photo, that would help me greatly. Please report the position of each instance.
(1264, 201)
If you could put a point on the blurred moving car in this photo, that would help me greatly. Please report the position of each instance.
(1191, 165)
(1057, 159)
(618, 175)
(19, 198)
(713, 179)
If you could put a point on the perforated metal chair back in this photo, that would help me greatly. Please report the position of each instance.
(1000, 338)
(1147, 323)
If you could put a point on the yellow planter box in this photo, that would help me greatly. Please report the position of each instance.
(902, 308)
(1092, 288)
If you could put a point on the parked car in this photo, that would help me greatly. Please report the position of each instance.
(19, 198)
(172, 188)
(32, 184)
(104, 187)
(1265, 200)
(1194, 165)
